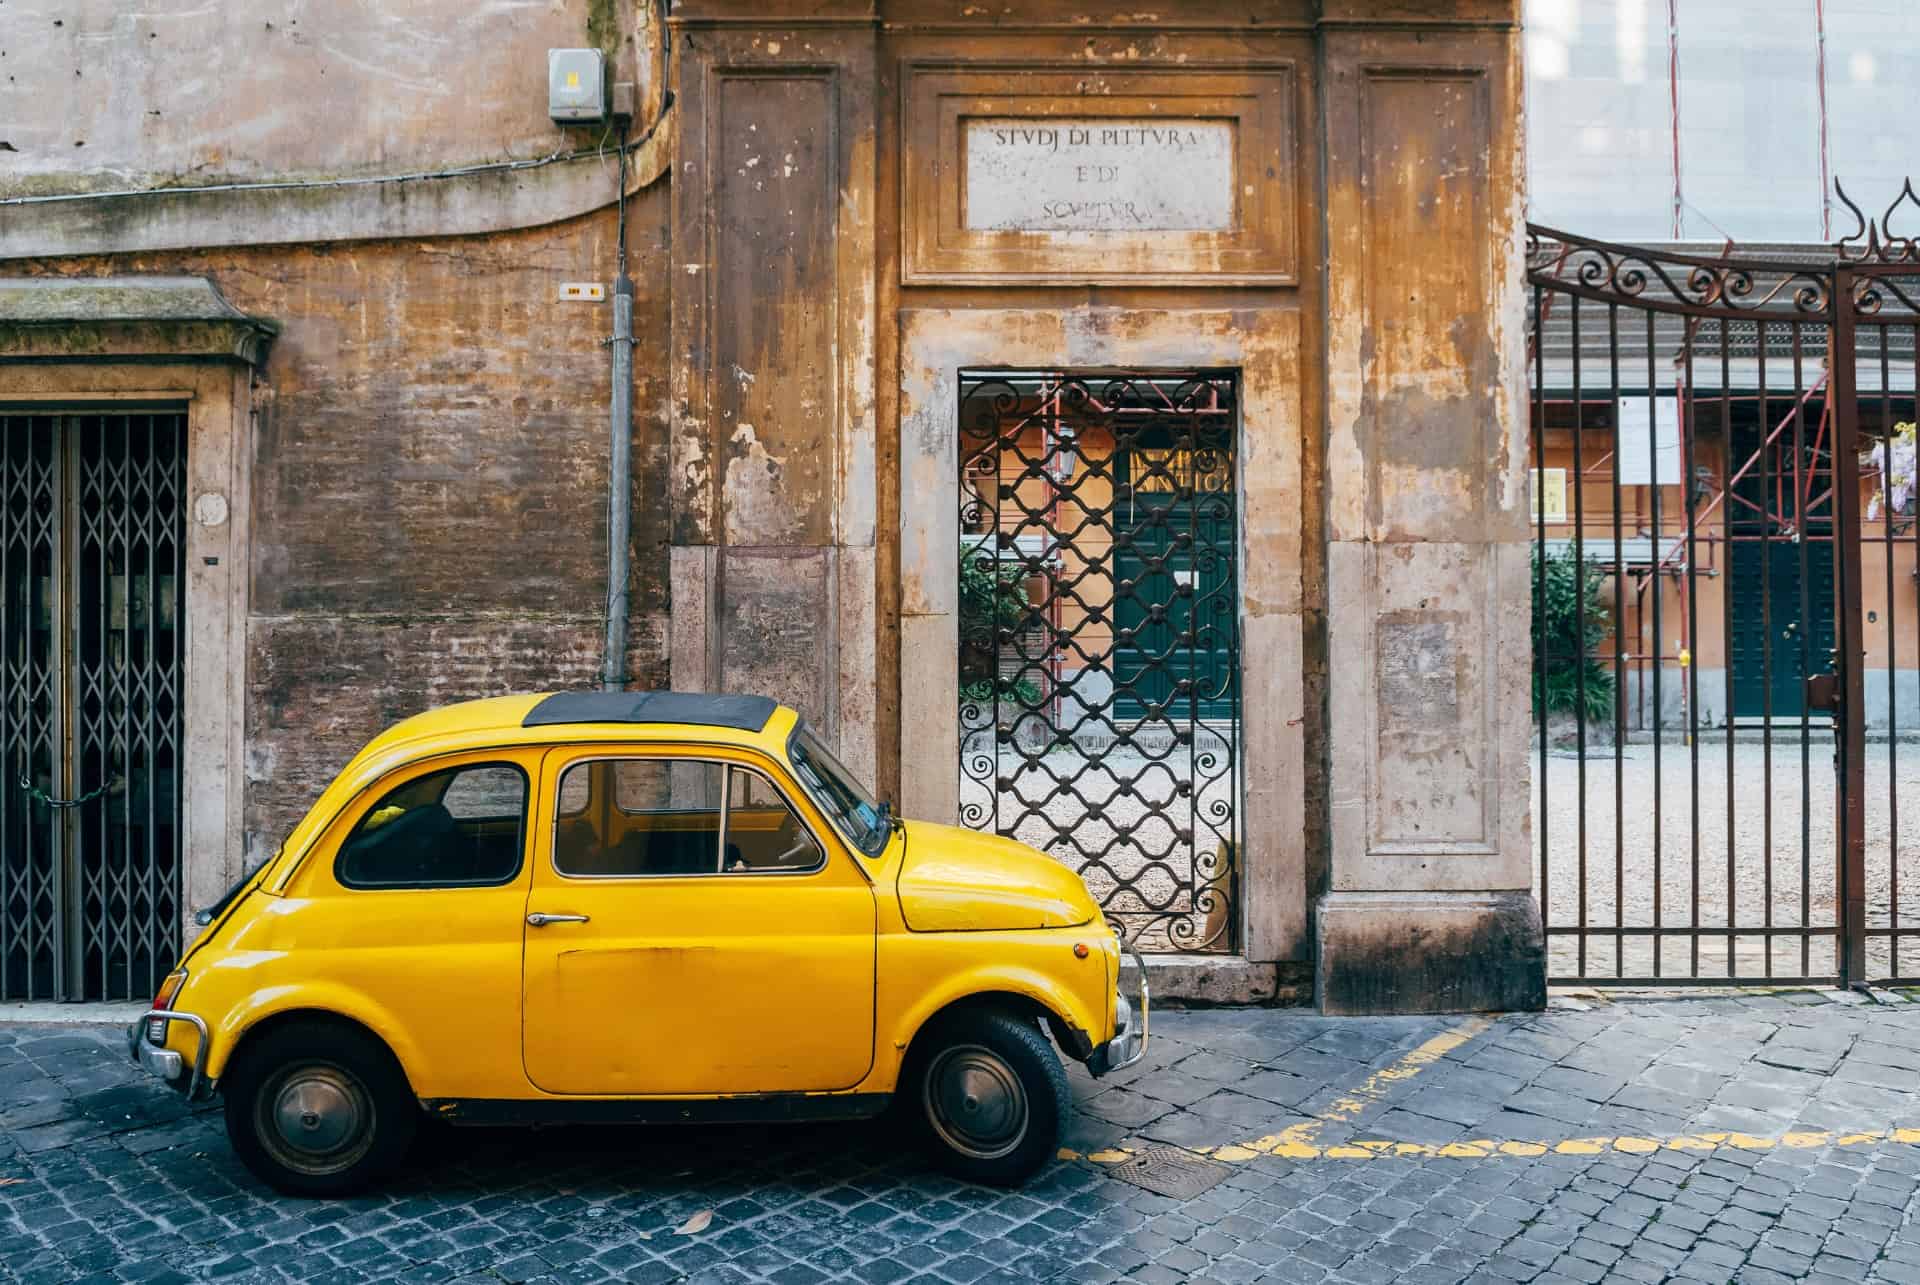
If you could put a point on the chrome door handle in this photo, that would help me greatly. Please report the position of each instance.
(539, 920)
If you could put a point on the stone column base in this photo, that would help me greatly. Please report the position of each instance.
(1208, 981)
(1429, 952)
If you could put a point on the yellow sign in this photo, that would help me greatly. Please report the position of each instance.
(1162, 471)
(1549, 494)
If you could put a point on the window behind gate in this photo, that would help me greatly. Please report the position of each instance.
(1099, 635)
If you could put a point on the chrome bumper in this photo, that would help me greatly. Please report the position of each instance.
(166, 1063)
(1129, 1042)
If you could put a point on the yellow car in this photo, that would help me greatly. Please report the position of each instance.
(624, 906)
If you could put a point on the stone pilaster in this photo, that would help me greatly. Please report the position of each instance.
(1427, 906)
(773, 485)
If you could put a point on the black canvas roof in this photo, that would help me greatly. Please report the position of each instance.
(744, 713)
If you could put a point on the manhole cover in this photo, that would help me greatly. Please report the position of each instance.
(1169, 1171)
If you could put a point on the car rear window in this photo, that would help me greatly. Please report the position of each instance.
(463, 827)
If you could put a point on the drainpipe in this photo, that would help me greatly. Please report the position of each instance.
(613, 676)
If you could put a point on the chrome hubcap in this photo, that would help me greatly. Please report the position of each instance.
(975, 1102)
(317, 1119)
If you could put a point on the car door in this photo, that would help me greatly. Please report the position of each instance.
(692, 928)
(416, 906)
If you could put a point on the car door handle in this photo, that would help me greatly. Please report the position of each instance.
(540, 920)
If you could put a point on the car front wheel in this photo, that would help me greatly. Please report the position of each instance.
(319, 1109)
(991, 1096)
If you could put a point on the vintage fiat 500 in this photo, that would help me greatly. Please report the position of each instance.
(651, 907)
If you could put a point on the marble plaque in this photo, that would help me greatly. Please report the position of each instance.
(1101, 174)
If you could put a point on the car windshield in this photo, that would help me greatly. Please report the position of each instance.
(839, 794)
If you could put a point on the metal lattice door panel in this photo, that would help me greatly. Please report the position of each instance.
(1099, 636)
(91, 644)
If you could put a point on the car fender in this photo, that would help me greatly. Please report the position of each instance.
(325, 998)
(1082, 1013)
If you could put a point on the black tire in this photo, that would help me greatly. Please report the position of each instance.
(987, 1094)
(319, 1109)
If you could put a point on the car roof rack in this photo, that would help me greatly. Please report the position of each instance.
(702, 709)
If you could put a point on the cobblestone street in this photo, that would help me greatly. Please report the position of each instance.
(1755, 1137)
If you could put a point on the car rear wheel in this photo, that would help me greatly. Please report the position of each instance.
(990, 1095)
(319, 1109)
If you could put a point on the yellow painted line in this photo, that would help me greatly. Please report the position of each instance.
(1298, 1141)
(1488, 1149)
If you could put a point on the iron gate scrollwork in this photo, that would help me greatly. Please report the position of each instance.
(1099, 636)
(1726, 575)
(92, 585)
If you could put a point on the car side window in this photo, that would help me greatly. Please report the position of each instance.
(763, 834)
(627, 818)
(462, 827)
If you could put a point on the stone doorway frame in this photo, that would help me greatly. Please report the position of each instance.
(216, 398)
(1264, 345)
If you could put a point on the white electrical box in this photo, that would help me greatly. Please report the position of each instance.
(576, 86)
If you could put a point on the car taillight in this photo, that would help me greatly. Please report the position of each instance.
(163, 998)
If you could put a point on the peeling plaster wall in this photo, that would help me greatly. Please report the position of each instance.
(97, 94)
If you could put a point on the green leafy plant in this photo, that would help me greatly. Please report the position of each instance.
(1023, 690)
(993, 597)
(1571, 617)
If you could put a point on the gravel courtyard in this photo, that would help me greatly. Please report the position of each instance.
(1642, 871)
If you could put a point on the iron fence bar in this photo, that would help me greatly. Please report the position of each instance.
(1726, 629)
(1758, 982)
(1619, 655)
(1580, 640)
(1802, 534)
(1766, 649)
(1541, 636)
(1658, 640)
(1893, 874)
(1893, 637)
(1851, 656)
(1709, 930)
(1690, 673)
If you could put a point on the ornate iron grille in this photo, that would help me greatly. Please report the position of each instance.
(1099, 636)
(91, 612)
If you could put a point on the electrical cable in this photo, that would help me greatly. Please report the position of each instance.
(1673, 90)
(418, 176)
(1820, 73)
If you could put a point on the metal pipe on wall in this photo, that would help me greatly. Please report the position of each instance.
(613, 676)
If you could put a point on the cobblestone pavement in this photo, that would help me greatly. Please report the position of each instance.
(1757, 1137)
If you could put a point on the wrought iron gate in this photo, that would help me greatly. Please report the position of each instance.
(1726, 611)
(91, 615)
(1099, 640)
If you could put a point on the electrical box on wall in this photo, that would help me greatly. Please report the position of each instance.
(576, 86)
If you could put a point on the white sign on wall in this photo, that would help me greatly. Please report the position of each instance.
(1648, 437)
(1098, 175)
(1549, 494)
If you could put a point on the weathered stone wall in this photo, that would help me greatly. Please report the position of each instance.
(429, 481)
(97, 94)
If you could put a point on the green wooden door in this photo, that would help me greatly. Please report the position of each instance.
(1779, 642)
(1176, 626)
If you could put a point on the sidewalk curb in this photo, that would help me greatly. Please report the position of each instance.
(49, 1014)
